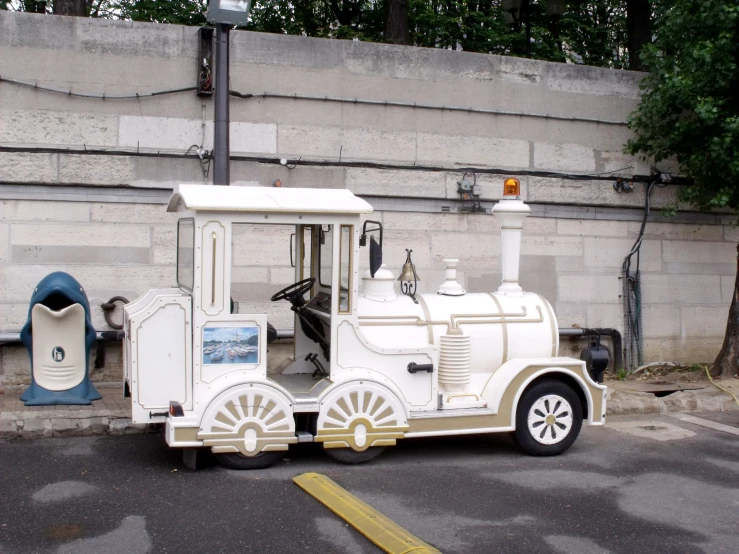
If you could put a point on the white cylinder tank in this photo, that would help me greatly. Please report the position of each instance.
(499, 327)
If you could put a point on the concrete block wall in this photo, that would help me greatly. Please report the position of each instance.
(83, 181)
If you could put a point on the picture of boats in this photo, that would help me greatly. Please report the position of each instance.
(230, 345)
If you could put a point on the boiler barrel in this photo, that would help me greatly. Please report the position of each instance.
(500, 327)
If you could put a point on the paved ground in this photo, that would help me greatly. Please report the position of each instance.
(618, 489)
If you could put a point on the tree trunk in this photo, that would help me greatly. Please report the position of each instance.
(727, 360)
(70, 7)
(638, 31)
(35, 6)
(396, 21)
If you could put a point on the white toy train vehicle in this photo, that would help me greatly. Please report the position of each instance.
(370, 365)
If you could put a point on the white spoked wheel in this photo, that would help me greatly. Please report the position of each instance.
(249, 426)
(358, 419)
(550, 419)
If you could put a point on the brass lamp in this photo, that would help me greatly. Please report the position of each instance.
(407, 275)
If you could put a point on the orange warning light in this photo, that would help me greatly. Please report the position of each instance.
(512, 187)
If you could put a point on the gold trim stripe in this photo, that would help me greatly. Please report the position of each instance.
(505, 329)
(503, 417)
(553, 323)
(185, 434)
(346, 437)
(378, 528)
(427, 315)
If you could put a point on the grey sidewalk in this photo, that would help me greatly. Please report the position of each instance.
(109, 415)
(112, 414)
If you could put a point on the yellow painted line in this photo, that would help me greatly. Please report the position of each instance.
(381, 530)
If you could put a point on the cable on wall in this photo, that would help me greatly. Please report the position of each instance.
(274, 95)
(467, 109)
(607, 176)
(88, 95)
(632, 298)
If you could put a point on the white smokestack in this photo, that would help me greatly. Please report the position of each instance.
(511, 211)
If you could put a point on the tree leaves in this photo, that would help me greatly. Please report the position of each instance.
(690, 103)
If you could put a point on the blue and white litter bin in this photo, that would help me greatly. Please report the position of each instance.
(58, 335)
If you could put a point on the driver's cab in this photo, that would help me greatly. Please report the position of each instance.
(253, 264)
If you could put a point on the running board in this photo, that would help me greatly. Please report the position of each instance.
(452, 413)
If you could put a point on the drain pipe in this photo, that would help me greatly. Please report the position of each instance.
(614, 334)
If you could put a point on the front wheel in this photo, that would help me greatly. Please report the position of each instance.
(239, 461)
(548, 419)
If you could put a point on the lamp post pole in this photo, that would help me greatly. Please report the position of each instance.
(221, 137)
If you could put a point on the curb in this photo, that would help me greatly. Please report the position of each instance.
(84, 423)
(21, 426)
(623, 402)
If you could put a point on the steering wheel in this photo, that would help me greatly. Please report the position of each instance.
(294, 291)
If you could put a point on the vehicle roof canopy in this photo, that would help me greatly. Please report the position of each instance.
(209, 198)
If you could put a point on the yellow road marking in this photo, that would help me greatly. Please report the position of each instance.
(381, 530)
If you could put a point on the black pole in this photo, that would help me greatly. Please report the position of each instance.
(527, 22)
(221, 138)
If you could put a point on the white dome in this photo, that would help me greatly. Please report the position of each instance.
(381, 287)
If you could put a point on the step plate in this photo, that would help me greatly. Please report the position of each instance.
(452, 413)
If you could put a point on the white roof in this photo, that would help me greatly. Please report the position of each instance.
(267, 199)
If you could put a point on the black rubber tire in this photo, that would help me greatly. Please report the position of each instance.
(522, 436)
(351, 457)
(239, 461)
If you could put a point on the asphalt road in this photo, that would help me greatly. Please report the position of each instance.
(614, 491)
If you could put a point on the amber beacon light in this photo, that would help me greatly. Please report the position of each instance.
(512, 187)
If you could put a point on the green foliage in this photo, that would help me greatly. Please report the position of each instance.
(343, 19)
(690, 107)
(621, 374)
(178, 12)
(589, 32)
(35, 6)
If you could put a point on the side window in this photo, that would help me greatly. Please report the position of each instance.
(345, 278)
(185, 253)
(325, 254)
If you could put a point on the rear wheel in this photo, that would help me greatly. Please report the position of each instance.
(239, 461)
(349, 456)
(548, 419)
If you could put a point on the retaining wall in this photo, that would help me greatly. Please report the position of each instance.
(83, 181)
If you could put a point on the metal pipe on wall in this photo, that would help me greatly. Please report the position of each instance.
(221, 137)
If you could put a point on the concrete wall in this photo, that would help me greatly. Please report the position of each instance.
(82, 181)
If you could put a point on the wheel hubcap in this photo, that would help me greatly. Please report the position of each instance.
(550, 419)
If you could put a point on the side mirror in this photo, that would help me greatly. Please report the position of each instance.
(375, 256)
(375, 249)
